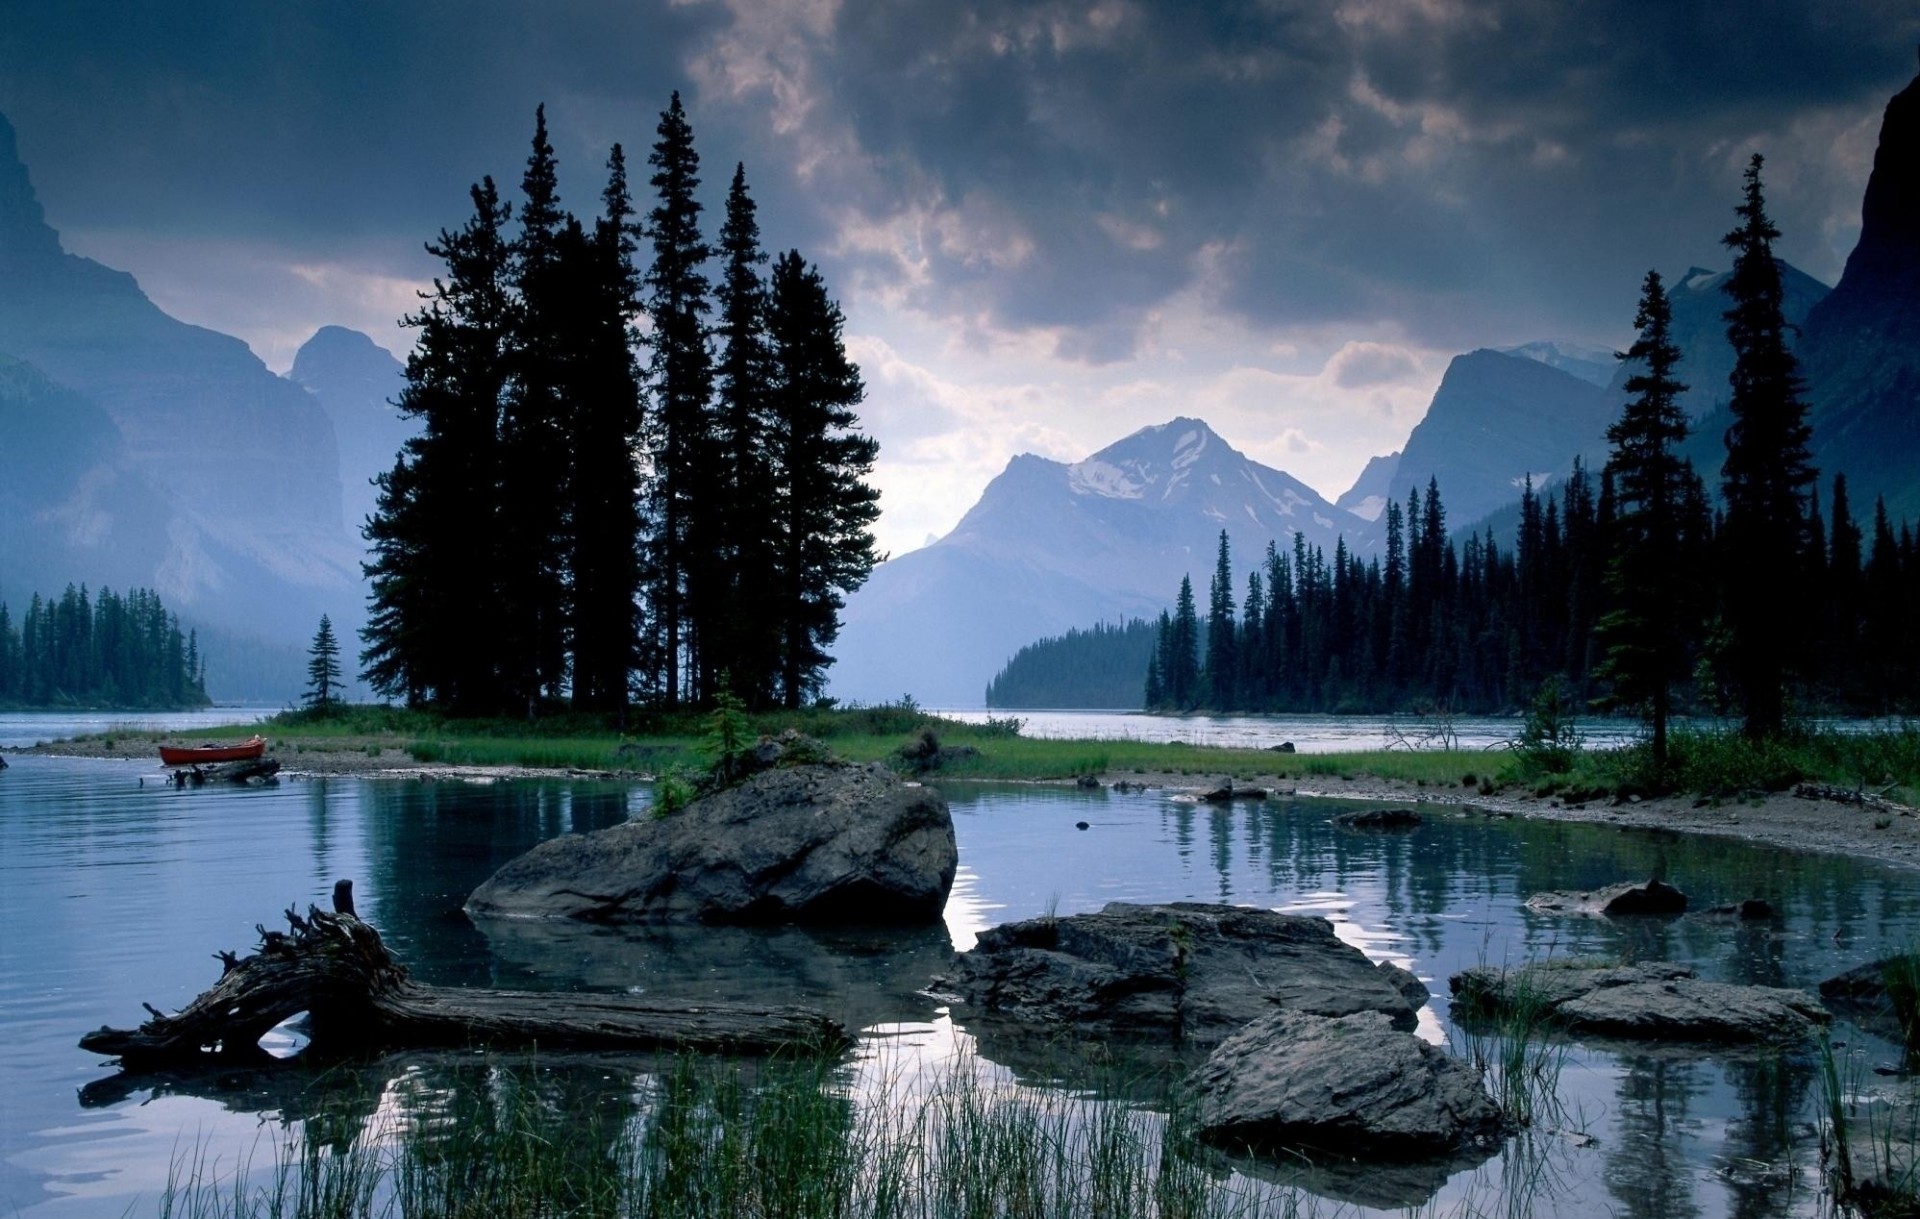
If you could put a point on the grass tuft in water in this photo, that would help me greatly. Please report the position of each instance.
(792, 1139)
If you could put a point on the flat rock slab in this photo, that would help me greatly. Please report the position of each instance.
(1655, 897)
(1648, 1002)
(1352, 1083)
(1191, 971)
(807, 844)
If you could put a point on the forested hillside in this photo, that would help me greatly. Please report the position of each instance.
(1098, 667)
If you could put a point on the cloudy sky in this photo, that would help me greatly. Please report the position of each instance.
(1049, 223)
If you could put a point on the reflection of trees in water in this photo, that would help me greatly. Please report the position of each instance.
(1220, 836)
(1646, 1163)
(430, 843)
(1758, 1162)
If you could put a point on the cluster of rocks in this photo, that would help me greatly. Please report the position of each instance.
(1307, 1044)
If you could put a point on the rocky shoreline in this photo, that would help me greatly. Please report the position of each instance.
(1888, 835)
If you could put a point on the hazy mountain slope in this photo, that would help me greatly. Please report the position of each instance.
(1051, 546)
(1593, 365)
(1367, 497)
(356, 381)
(1860, 350)
(248, 529)
(1495, 420)
(70, 508)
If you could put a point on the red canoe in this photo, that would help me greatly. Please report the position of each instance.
(177, 755)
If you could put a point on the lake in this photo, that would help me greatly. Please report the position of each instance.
(115, 890)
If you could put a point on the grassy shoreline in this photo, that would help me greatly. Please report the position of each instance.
(1719, 765)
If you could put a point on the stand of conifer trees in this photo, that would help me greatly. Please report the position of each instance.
(600, 506)
(1639, 598)
(103, 650)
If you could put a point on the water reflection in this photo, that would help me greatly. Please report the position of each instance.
(862, 978)
(111, 894)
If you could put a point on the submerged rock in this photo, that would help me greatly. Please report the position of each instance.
(1189, 970)
(1381, 819)
(1655, 897)
(810, 844)
(1648, 1002)
(1353, 1083)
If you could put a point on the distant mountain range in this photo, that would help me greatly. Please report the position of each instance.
(1052, 545)
(143, 451)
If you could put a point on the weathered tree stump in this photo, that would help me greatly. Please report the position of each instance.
(358, 998)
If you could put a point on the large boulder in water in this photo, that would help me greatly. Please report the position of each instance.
(1189, 970)
(1354, 1084)
(807, 844)
(1651, 1001)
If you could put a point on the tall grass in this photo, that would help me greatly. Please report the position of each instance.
(1512, 1043)
(792, 1140)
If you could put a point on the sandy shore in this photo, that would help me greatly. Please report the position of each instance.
(1886, 833)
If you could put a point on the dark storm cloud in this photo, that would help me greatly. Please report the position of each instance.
(1470, 172)
(309, 122)
(1452, 166)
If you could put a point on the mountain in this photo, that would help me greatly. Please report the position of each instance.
(1860, 349)
(357, 382)
(1367, 497)
(223, 492)
(1496, 420)
(1594, 365)
(68, 497)
(1052, 546)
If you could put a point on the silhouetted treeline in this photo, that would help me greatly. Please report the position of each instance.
(99, 651)
(1476, 627)
(631, 482)
(1099, 667)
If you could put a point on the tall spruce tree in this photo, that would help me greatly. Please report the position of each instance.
(679, 567)
(431, 536)
(323, 667)
(536, 430)
(604, 480)
(743, 473)
(823, 508)
(1222, 667)
(1766, 477)
(1650, 578)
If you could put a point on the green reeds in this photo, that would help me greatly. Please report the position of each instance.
(786, 1139)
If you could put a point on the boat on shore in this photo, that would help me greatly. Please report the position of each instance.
(199, 755)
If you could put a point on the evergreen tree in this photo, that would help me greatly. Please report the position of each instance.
(1650, 578)
(681, 440)
(1180, 665)
(431, 536)
(606, 420)
(742, 473)
(823, 508)
(535, 429)
(1767, 474)
(323, 667)
(1221, 663)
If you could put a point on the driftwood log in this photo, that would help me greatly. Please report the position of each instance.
(358, 998)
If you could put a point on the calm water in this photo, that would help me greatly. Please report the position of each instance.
(18, 728)
(113, 893)
(1309, 733)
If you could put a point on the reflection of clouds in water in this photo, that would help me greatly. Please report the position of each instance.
(967, 912)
